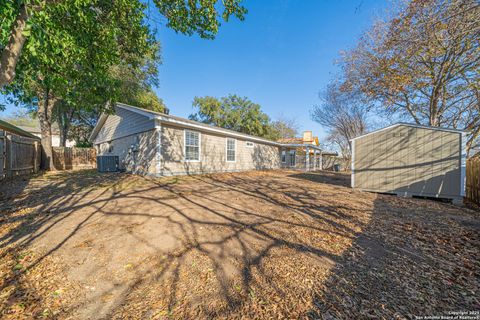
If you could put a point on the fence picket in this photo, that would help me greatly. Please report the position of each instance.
(74, 158)
(473, 180)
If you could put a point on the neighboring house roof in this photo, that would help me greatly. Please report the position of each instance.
(16, 130)
(164, 118)
(410, 125)
(35, 129)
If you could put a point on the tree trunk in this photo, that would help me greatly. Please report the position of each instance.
(13, 49)
(64, 118)
(45, 107)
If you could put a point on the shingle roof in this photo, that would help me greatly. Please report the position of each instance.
(14, 129)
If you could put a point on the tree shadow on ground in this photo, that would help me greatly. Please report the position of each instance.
(30, 207)
(330, 177)
(414, 258)
(252, 244)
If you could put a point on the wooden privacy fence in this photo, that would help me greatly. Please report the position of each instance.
(472, 191)
(74, 158)
(18, 155)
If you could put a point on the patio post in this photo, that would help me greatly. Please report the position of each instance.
(321, 160)
(314, 159)
(307, 158)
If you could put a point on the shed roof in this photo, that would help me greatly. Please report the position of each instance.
(410, 125)
(16, 130)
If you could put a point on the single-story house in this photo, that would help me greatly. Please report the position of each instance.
(157, 144)
(411, 160)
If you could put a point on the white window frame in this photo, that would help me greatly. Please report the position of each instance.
(234, 149)
(249, 144)
(185, 146)
(283, 156)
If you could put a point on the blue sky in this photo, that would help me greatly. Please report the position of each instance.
(280, 57)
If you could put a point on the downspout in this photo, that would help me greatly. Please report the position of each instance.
(314, 159)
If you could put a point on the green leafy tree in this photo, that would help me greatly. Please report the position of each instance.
(19, 18)
(137, 81)
(234, 113)
(134, 77)
(64, 50)
(73, 66)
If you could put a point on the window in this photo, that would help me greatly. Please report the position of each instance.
(292, 158)
(192, 146)
(284, 156)
(249, 144)
(231, 150)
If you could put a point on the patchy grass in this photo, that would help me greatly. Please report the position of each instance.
(278, 244)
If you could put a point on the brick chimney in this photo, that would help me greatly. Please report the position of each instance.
(307, 137)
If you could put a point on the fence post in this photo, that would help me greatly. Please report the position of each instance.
(35, 157)
(8, 158)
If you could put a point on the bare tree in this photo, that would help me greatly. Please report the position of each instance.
(286, 127)
(343, 115)
(422, 64)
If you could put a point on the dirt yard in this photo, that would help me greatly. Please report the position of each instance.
(278, 244)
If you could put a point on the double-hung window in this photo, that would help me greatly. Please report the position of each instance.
(192, 145)
(231, 146)
(284, 156)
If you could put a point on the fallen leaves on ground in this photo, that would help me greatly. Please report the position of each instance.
(277, 244)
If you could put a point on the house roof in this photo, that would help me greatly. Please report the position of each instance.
(410, 125)
(36, 128)
(16, 130)
(298, 140)
(291, 140)
(164, 118)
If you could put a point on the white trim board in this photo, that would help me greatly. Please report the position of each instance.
(158, 163)
(463, 163)
(234, 149)
(185, 146)
(352, 166)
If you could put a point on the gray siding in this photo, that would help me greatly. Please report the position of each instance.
(409, 160)
(123, 123)
(213, 154)
(137, 153)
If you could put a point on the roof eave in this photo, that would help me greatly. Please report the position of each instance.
(410, 125)
(97, 127)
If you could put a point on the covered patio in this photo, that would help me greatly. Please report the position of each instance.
(306, 157)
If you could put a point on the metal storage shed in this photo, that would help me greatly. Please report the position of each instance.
(411, 160)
